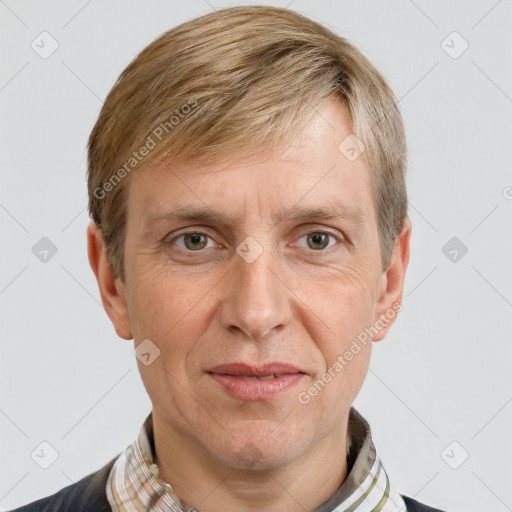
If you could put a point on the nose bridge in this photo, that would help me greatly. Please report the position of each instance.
(256, 302)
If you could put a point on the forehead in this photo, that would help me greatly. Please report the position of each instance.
(311, 173)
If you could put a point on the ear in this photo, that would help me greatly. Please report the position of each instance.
(112, 290)
(391, 285)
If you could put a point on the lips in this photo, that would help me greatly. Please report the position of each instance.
(246, 370)
(252, 383)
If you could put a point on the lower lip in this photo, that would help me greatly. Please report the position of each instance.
(256, 389)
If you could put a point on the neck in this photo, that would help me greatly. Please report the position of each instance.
(208, 485)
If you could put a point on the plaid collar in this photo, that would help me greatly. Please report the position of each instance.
(133, 487)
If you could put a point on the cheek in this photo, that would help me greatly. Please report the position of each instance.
(171, 313)
(341, 301)
(341, 306)
(162, 301)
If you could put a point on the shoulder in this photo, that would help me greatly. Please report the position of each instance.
(416, 506)
(89, 493)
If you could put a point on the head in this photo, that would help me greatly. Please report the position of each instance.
(247, 193)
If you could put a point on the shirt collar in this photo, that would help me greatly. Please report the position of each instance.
(133, 487)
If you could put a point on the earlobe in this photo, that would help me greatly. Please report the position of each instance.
(112, 292)
(392, 283)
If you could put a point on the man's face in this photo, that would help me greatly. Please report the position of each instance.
(297, 292)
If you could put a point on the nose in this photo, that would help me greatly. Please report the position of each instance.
(256, 301)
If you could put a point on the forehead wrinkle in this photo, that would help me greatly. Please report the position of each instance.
(352, 214)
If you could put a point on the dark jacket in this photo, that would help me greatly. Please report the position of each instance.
(89, 495)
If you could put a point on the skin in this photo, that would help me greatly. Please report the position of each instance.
(298, 302)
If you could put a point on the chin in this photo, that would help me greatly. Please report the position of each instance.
(262, 449)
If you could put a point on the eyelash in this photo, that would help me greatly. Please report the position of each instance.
(327, 249)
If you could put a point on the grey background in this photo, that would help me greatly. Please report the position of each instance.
(443, 372)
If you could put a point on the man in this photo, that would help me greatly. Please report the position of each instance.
(250, 234)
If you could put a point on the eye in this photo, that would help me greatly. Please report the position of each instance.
(194, 241)
(319, 240)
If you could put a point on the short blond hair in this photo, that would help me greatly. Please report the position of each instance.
(231, 84)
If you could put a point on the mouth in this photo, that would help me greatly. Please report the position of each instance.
(255, 383)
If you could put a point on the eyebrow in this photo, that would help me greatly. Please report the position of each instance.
(352, 214)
